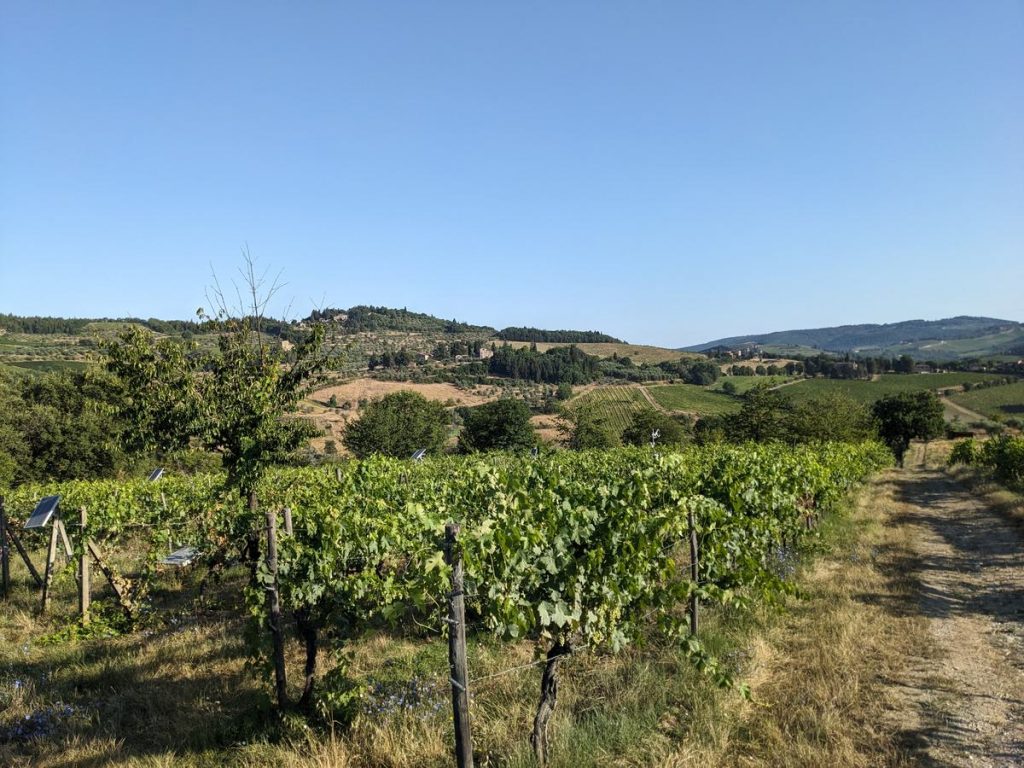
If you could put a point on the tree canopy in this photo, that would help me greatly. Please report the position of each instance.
(397, 425)
(501, 425)
(908, 416)
(648, 421)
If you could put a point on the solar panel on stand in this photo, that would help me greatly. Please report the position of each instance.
(43, 512)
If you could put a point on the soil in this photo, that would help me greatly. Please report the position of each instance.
(961, 703)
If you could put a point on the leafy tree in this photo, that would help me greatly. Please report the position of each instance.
(766, 414)
(60, 425)
(729, 388)
(908, 416)
(904, 365)
(832, 417)
(397, 425)
(160, 389)
(670, 431)
(501, 425)
(584, 428)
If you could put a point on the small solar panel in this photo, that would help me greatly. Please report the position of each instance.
(418, 455)
(535, 452)
(180, 557)
(156, 474)
(43, 512)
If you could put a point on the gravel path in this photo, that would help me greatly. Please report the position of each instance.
(963, 704)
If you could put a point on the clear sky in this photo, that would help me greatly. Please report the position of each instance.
(667, 172)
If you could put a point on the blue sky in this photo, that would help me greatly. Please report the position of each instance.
(667, 172)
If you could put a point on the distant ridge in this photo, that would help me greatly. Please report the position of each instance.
(949, 339)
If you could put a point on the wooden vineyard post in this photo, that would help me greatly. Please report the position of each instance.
(274, 605)
(288, 520)
(693, 570)
(24, 556)
(459, 677)
(84, 571)
(5, 552)
(51, 559)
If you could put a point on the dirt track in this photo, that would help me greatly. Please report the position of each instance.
(963, 704)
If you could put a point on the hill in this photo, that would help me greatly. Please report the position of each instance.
(950, 339)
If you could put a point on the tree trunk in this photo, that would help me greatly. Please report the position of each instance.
(251, 551)
(548, 699)
(308, 632)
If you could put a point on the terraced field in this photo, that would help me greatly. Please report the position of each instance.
(693, 399)
(1005, 401)
(868, 392)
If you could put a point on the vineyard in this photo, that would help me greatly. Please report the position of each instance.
(998, 402)
(1002, 457)
(868, 392)
(581, 552)
(616, 404)
(694, 399)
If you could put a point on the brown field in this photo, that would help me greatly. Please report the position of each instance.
(547, 427)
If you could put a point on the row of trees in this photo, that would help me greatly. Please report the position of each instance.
(768, 414)
(560, 364)
(403, 422)
(555, 337)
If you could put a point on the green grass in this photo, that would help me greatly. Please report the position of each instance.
(868, 392)
(52, 365)
(693, 399)
(746, 383)
(616, 404)
(995, 402)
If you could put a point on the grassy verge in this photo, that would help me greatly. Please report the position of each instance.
(180, 694)
(1007, 503)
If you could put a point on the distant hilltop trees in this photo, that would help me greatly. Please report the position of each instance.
(74, 326)
(556, 337)
(368, 318)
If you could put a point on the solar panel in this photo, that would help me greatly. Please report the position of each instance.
(418, 455)
(43, 512)
(535, 452)
(156, 474)
(180, 557)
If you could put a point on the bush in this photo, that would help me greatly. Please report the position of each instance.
(1004, 456)
(964, 452)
